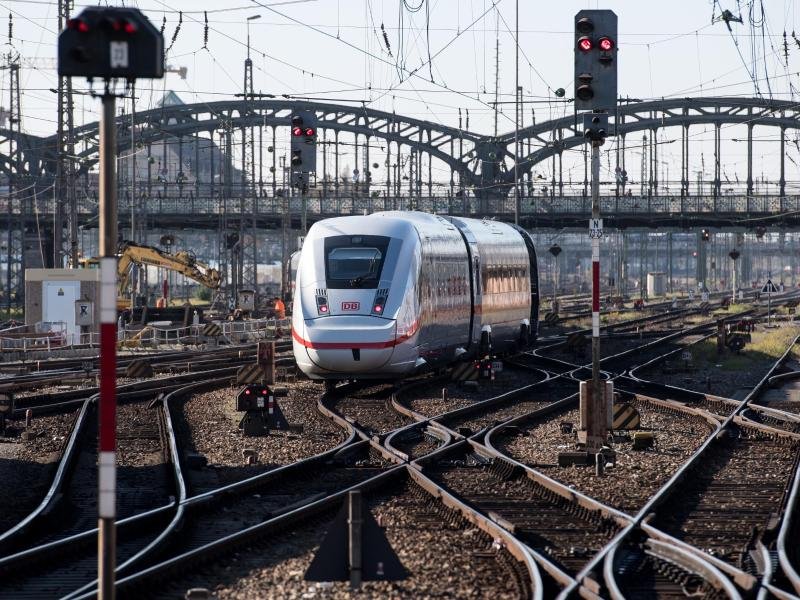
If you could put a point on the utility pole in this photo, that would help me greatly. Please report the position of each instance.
(64, 189)
(517, 92)
(15, 242)
(496, 71)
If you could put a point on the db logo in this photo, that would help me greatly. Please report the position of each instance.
(351, 305)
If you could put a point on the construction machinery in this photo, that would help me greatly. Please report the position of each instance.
(183, 262)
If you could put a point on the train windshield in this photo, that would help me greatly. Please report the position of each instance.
(354, 261)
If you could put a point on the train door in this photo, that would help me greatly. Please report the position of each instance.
(477, 301)
(534, 277)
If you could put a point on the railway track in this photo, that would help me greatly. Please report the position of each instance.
(564, 529)
(56, 549)
(731, 498)
(366, 407)
(22, 385)
(561, 538)
(721, 515)
(641, 574)
(271, 557)
(73, 487)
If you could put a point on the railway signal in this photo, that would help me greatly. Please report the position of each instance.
(109, 44)
(595, 91)
(261, 409)
(303, 159)
(596, 60)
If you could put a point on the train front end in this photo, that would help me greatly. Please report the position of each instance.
(352, 315)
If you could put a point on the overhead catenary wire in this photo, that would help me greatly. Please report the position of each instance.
(408, 72)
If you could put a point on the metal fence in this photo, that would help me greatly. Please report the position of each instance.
(267, 207)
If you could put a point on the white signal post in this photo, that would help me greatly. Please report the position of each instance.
(107, 475)
(596, 232)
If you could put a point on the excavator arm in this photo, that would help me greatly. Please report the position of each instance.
(181, 262)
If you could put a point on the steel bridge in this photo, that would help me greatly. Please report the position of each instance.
(215, 165)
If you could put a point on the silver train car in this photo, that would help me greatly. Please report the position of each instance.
(393, 293)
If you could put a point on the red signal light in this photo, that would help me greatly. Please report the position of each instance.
(585, 44)
(378, 308)
(323, 308)
(264, 392)
(606, 44)
(128, 27)
(78, 25)
(297, 131)
(247, 392)
(310, 131)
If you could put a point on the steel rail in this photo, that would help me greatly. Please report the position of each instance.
(68, 458)
(743, 579)
(684, 560)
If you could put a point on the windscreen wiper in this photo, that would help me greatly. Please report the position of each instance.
(361, 279)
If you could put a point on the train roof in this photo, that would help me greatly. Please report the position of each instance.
(394, 223)
(390, 223)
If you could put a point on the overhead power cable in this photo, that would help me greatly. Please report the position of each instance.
(410, 73)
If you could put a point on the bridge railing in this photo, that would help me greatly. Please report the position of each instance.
(470, 206)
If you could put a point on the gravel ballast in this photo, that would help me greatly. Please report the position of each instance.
(637, 473)
(211, 423)
(26, 466)
(445, 557)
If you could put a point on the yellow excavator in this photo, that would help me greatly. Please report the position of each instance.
(183, 262)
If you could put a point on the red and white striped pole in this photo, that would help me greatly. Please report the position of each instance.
(107, 414)
(596, 425)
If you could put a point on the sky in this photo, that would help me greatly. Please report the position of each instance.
(431, 58)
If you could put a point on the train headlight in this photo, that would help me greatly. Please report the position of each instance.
(322, 305)
(377, 307)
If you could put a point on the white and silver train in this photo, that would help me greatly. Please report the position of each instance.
(393, 293)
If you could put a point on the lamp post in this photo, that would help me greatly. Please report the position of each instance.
(250, 18)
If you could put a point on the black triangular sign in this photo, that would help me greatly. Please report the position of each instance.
(277, 420)
(330, 562)
(379, 561)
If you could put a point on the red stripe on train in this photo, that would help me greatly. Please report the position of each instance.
(355, 345)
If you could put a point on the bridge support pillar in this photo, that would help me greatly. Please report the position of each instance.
(717, 160)
(782, 153)
(623, 277)
(750, 157)
(701, 272)
(642, 263)
(669, 262)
